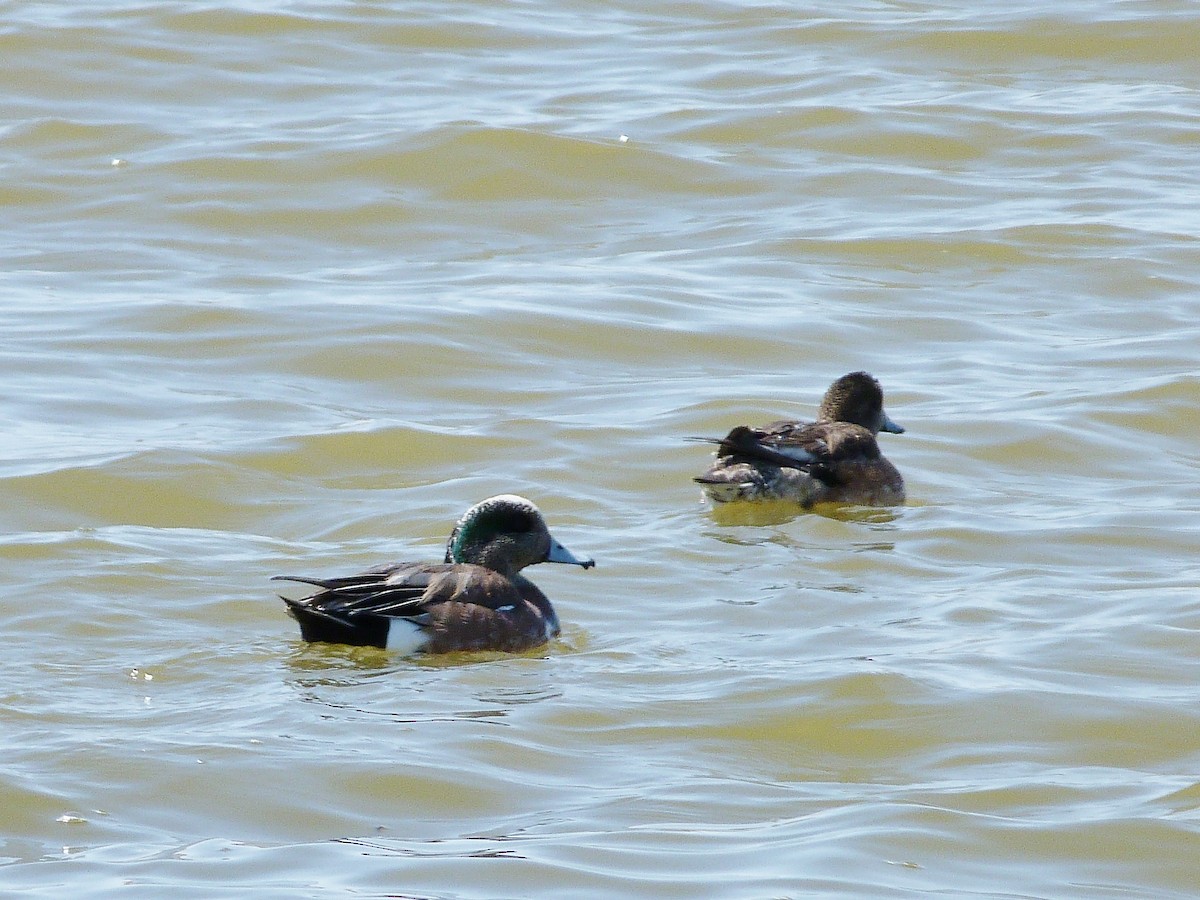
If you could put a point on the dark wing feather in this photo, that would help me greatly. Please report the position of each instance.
(818, 448)
(407, 590)
(397, 591)
(794, 447)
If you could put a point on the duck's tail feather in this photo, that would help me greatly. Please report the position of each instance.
(317, 625)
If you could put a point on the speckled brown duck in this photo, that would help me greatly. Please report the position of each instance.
(835, 459)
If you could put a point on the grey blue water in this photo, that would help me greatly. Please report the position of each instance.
(285, 287)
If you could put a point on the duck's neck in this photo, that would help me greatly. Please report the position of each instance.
(494, 556)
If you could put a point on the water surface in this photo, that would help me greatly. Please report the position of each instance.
(289, 286)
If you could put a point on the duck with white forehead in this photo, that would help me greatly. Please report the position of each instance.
(477, 599)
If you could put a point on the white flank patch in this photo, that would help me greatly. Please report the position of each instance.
(405, 636)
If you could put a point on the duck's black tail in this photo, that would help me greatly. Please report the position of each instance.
(319, 626)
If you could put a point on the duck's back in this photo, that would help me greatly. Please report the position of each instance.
(457, 606)
(803, 462)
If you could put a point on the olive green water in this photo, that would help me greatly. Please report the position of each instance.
(287, 287)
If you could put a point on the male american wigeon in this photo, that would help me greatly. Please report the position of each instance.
(835, 459)
(475, 600)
